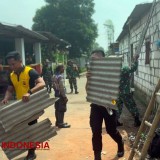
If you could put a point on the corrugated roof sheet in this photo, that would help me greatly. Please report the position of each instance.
(14, 119)
(103, 85)
(38, 132)
(20, 111)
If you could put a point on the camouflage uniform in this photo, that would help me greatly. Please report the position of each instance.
(125, 96)
(47, 76)
(72, 74)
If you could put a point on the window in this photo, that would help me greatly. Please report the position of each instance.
(148, 49)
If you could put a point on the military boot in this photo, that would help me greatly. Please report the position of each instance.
(76, 92)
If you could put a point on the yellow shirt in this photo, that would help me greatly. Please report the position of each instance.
(21, 82)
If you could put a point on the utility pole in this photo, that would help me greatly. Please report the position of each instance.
(110, 31)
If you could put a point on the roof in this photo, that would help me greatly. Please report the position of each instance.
(50, 36)
(138, 12)
(18, 31)
(53, 39)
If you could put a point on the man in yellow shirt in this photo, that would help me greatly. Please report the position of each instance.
(24, 81)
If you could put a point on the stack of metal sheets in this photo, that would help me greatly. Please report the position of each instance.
(14, 119)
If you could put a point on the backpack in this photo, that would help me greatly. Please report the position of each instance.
(154, 148)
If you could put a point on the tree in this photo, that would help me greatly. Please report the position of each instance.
(96, 46)
(70, 20)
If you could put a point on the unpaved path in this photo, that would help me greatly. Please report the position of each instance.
(75, 143)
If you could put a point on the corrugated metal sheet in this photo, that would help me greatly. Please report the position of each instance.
(38, 132)
(17, 31)
(103, 85)
(14, 119)
(20, 111)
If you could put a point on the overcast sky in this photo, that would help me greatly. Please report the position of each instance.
(21, 12)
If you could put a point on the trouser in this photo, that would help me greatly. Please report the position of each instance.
(73, 83)
(48, 83)
(60, 109)
(97, 115)
(59, 117)
(129, 102)
(32, 150)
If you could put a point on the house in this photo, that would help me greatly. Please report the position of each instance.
(57, 45)
(148, 73)
(16, 37)
(28, 44)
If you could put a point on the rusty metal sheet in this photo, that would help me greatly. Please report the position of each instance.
(103, 85)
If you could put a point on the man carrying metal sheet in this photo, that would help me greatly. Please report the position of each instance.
(125, 95)
(24, 81)
(97, 115)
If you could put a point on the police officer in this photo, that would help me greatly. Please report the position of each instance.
(61, 103)
(125, 95)
(97, 115)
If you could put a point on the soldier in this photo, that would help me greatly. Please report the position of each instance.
(71, 75)
(47, 75)
(125, 95)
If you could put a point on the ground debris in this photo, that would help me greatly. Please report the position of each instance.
(103, 152)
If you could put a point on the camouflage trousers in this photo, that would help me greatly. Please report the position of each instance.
(129, 102)
(48, 82)
(73, 83)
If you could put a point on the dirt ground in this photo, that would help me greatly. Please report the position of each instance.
(75, 143)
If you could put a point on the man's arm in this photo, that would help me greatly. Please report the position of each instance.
(135, 64)
(134, 67)
(8, 94)
(40, 84)
(88, 74)
(36, 82)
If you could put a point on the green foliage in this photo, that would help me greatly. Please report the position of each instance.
(70, 20)
(82, 69)
(46, 54)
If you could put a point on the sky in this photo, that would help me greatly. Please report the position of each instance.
(21, 12)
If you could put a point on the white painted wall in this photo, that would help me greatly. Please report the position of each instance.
(148, 74)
